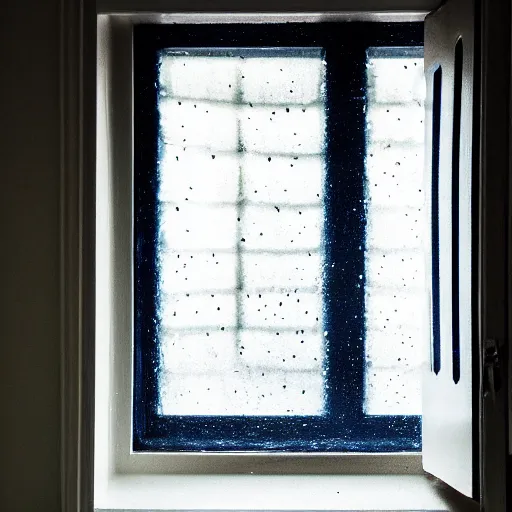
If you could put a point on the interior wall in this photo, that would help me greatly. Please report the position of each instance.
(29, 256)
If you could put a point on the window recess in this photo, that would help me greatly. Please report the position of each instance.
(274, 174)
(455, 462)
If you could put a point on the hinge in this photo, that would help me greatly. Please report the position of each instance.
(492, 375)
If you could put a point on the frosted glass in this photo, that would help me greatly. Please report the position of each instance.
(395, 175)
(290, 393)
(292, 229)
(217, 311)
(400, 269)
(193, 176)
(285, 80)
(398, 80)
(277, 310)
(241, 235)
(394, 227)
(283, 130)
(190, 123)
(242, 177)
(396, 288)
(188, 271)
(282, 270)
(190, 353)
(285, 180)
(396, 123)
(180, 78)
(198, 226)
(291, 351)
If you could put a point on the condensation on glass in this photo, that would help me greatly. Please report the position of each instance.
(241, 170)
(396, 294)
(241, 175)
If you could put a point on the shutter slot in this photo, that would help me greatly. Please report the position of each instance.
(436, 134)
(457, 105)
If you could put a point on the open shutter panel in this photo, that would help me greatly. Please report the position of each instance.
(450, 405)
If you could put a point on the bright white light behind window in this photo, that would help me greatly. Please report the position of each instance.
(242, 176)
(396, 293)
(241, 197)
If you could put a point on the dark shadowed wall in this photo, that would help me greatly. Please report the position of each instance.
(29, 256)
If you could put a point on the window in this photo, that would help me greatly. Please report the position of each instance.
(279, 288)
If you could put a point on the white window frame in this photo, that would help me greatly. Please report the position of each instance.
(176, 481)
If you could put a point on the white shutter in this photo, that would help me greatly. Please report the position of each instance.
(450, 405)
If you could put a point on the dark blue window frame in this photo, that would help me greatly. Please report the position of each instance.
(344, 427)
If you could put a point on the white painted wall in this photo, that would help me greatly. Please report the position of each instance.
(29, 256)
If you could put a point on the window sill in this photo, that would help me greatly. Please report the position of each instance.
(283, 492)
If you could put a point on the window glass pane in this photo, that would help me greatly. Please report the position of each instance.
(241, 231)
(198, 226)
(193, 176)
(395, 288)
